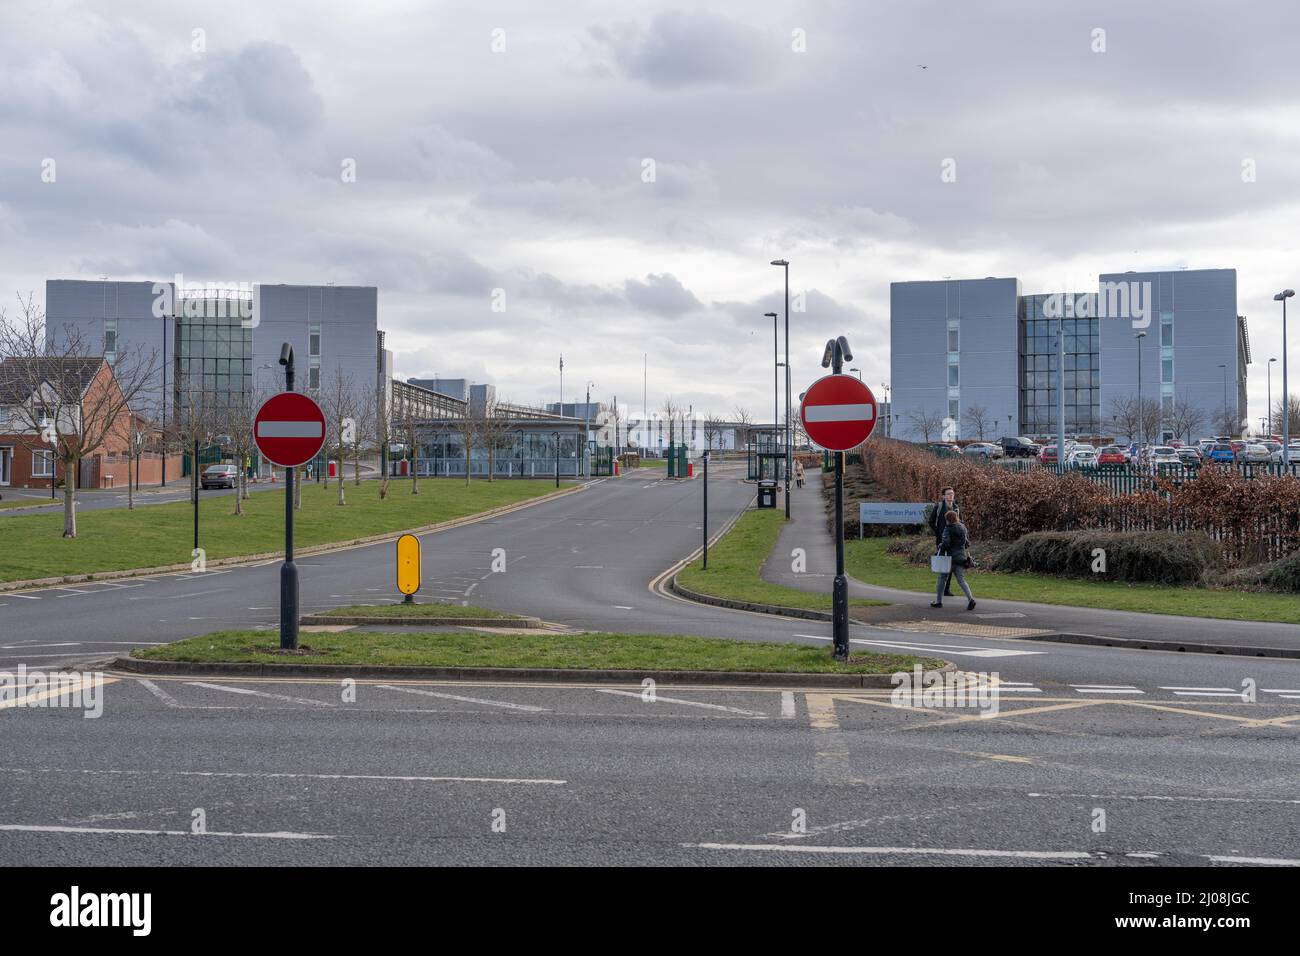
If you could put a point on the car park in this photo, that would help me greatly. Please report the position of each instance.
(1047, 455)
(219, 476)
(1256, 453)
(1082, 456)
(1189, 455)
(1112, 455)
(1162, 456)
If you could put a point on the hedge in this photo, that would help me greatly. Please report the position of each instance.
(1253, 520)
(1161, 557)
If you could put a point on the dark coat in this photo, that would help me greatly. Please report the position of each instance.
(955, 540)
(937, 524)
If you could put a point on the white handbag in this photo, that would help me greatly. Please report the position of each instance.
(941, 563)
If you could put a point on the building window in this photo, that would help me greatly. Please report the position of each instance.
(1166, 370)
(953, 409)
(1167, 330)
(42, 463)
(313, 376)
(110, 340)
(953, 376)
(953, 340)
(313, 340)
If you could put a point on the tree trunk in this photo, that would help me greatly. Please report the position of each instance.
(130, 490)
(356, 471)
(341, 501)
(70, 470)
(297, 489)
(239, 488)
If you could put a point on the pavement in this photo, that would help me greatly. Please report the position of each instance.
(1092, 756)
(808, 529)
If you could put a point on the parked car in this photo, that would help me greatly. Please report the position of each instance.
(219, 476)
(1204, 445)
(1293, 453)
(1162, 456)
(1190, 455)
(1274, 450)
(1082, 456)
(982, 449)
(1047, 455)
(1020, 447)
(1221, 452)
(943, 450)
(1237, 447)
(1112, 455)
(1256, 453)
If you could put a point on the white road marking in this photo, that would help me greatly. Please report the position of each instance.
(958, 649)
(122, 831)
(787, 703)
(158, 692)
(290, 776)
(623, 607)
(678, 700)
(900, 850)
(262, 693)
(466, 700)
(1160, 798)
(25, 597)
(1253, 860)
(10, 647)
(1106, 689)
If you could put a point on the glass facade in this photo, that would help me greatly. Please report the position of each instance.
(214, 358)
(1038, 371)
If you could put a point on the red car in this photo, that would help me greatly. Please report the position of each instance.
(1047, 455)
(1112, 455)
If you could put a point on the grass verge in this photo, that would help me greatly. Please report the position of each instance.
(432, 612)
(867, 561)
(635, 652)
(114, 539)
(736, 562)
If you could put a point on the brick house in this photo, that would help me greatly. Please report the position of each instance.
(28, 462)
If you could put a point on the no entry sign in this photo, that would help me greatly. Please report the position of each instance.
(838, 412)
(289, 429)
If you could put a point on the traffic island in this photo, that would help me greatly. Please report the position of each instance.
(590, 656)
(415, 615)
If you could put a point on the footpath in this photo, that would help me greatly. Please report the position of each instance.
(910, 610)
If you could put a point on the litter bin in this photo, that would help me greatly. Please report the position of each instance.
(767, 493)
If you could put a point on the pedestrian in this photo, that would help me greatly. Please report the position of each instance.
(798, 473)
(947, 502)
(955, 541)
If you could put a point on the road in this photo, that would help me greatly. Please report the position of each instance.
(1185, 770)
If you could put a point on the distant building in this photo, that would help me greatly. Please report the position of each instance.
(975, 354)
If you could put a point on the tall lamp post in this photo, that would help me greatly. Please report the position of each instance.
(859, 371)
(1141, 409)
(889, 416)
(1269, 366)
(1225, 398)
(776, 378)
(586, 433)
(786, 266)
(555, 436)
(1286, 395)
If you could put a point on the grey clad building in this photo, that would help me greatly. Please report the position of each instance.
(223, 341)
(976, 355)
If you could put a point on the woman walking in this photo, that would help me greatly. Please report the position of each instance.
(954, 542)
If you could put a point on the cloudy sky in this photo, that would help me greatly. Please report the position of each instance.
(625, 171)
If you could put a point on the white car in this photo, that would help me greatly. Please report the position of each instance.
(983, 449)
(1257, 453)
(1082, 457)
(1293, 453)
(1163, 456)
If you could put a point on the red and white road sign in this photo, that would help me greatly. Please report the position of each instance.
(838, 412)
(289, 429)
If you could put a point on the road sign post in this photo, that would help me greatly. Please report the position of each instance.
(289, 430)
(706, 509)
(839, 413)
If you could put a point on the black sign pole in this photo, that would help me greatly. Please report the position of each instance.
(837, 350)
(706, 510)
(289, 571)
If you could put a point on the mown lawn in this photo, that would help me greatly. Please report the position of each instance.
(32, 546)
(736, 561)
(634, 652)
(425, 611)
(867, 561)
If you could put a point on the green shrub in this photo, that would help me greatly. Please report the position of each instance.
(1283, 575)
(1160, 557)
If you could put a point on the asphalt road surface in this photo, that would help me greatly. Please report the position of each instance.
(1094, 756)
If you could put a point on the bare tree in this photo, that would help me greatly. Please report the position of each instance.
(235, 415)
(670, 410)
(1123, 416)
(1282, 411)
(407, 425)
(744, 425)
(1225, 421)
(364, 433)
(1185, 418)
(977, 419)
(195, 423)
(493, 422)
(468, 426)
(712, 429)
(925, 423)
(339, 403)
(383, 435)
(69, 400)
(1149, 416)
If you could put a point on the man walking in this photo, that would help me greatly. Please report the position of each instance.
(948, 502)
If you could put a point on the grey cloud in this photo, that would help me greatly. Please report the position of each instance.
(680, 49)
(662, 294)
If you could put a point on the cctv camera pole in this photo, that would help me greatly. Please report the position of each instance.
(289, 570)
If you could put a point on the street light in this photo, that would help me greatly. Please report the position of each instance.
(555, 436)
(859, 371)
(586, 434)
(1269, 366)
(1141, 410)
(776, 388)
(786, 266)
(1286, 396)
(1225, 397)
